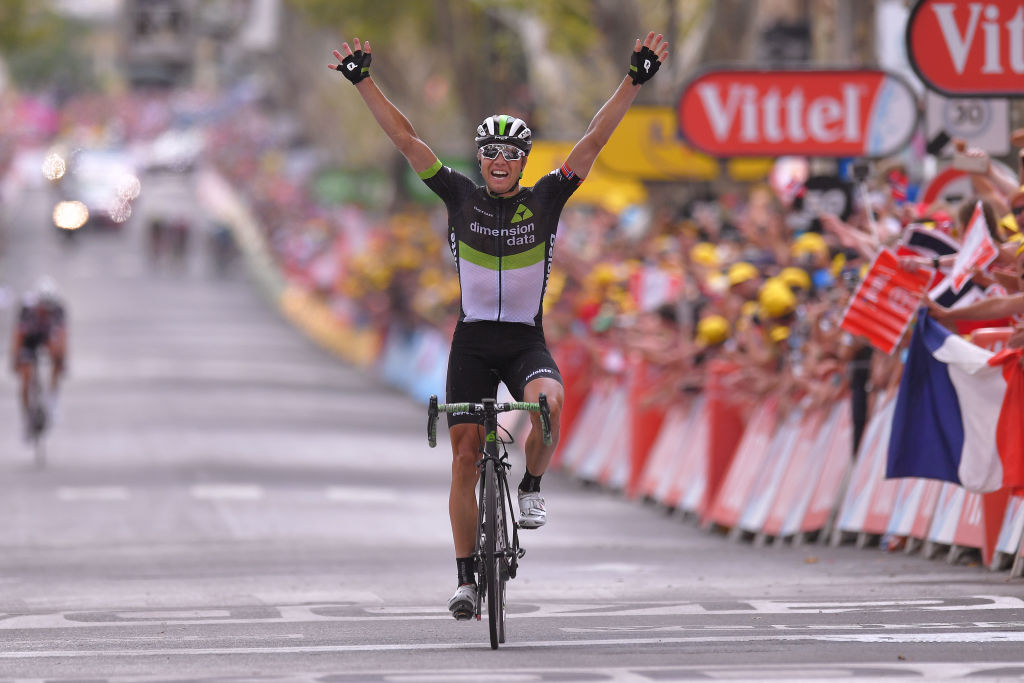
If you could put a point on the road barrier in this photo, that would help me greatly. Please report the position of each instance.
(790, 478)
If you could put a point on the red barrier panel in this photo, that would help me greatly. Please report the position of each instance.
(750, 454)
(726, 424)
(646, 421)
(800, 471)
(607, 460)
(837, 461)
(573, 360)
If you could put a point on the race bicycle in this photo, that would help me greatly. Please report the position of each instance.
(37, 414)
(495, 558)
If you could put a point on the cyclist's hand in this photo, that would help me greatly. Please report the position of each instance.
(647, 58)
(355, 65)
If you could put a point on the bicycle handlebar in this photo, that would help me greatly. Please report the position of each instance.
(435, 408)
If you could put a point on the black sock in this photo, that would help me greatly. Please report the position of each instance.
(530, 483)
(465, 568)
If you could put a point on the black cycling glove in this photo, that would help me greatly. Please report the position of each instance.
(356, 66)
(643, 65)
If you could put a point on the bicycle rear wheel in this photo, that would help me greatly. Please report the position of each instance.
(494, 553)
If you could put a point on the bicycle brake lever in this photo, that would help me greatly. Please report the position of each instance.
(545, 419)
(432, 422)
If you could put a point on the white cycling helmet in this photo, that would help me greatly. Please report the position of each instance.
(46, 289)
(504, 129)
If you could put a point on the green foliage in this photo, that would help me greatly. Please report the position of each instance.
(40, 47)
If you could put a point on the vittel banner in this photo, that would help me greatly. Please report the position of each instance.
(968, 48)
(830, 113)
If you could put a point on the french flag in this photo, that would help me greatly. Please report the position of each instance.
(952, 408)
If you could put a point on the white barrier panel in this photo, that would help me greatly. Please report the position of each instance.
(908, 502)
(690, 477)
(947, 514)
(585, 433)
(766, 484)
(667, 450)
(868, 471)
(751, 452)
(1013, 527)
(611, 439)
(824, 500)
(819, 456)
(799, 471)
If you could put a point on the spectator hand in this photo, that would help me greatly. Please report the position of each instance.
(646, 59)
(355, 66)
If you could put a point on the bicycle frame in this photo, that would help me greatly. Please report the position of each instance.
(495, 558)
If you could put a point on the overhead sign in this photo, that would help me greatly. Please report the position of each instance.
(828, 113)
(885, 301)
(968, 48)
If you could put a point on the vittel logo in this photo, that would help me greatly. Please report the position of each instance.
(959, 42)
(856, 112)
(965, 47)
(773, 116)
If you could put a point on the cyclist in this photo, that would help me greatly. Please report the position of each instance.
(41, 324)
(502, 236)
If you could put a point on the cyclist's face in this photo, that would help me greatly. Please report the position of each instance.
(501, 175)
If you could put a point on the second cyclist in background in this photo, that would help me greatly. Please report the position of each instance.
(41, 324)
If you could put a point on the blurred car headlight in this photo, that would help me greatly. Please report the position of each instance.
(54, 166)
(70, 215)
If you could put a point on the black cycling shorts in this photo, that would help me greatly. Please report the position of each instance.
(485, 353)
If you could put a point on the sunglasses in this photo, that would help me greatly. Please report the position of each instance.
(510, 152)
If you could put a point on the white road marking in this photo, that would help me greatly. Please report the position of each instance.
(227, 492)
(904, 638)
(70, 494)
(369, 612)
(361, 494)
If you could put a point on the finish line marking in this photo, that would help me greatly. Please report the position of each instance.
(895, 638)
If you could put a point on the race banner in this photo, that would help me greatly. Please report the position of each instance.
(885, 302)
(978, 250)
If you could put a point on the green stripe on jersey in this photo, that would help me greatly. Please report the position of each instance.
(431, 172)
(510, 262)
(524, 259)
(477, 257)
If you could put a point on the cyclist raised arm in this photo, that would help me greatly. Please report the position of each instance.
(647, 57)
(355, 66)
(502, 237)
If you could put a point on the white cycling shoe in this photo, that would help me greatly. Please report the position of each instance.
(463, 603)
(532, 514)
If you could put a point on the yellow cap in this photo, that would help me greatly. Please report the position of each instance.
(712, 330)
(603, 274)
(741, 271)
(796, 277)
(776, 299)
(779, 333)
(704, 253)
(809, 243)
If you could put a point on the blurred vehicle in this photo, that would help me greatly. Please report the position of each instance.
(105, 182)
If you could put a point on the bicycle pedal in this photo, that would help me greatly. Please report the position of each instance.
(461, 615)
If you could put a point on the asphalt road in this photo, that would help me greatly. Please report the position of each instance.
(224, 501)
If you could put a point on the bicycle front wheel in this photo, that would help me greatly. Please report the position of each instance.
(494, 553)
